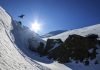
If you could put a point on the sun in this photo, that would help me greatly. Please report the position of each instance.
(36, 27)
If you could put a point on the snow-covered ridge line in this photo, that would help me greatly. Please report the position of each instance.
(94, 29)
(53, 33)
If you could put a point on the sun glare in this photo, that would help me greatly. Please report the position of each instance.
(36, 27)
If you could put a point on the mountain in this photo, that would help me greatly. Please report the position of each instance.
(14, 47)
(11, 57)
(94, 29)
(75, 39)
(18, 42)
(53, 33)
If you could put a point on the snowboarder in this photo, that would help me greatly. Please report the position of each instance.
(21, 16)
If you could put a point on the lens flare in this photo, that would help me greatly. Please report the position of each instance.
(36, 27)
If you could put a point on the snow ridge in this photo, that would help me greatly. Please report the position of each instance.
(95, 29)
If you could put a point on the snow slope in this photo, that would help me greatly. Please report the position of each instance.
(95, 29)
(14, 48)
(53, 33)
(10, 57)
(22, 34)
(14, 52)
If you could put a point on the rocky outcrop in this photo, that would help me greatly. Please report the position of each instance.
(50, 45)
(76, 48)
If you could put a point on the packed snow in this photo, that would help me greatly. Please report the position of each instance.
(14, 52)
(10, 58)
(95, 29)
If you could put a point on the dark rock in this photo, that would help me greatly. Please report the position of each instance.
(76, 48)
(50, 44)
(92, 36)
(86, 62)
(99, 42)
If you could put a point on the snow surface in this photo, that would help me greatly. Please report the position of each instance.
(14, 52)
(53, 33)
(95, 29)
(10, 58)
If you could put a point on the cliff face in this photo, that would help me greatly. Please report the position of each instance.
(10, 58)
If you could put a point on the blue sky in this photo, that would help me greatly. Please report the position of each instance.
(55, 14)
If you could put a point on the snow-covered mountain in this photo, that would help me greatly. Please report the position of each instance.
(11, 58)
(53, 33)
(94, 29)
(15, 53)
